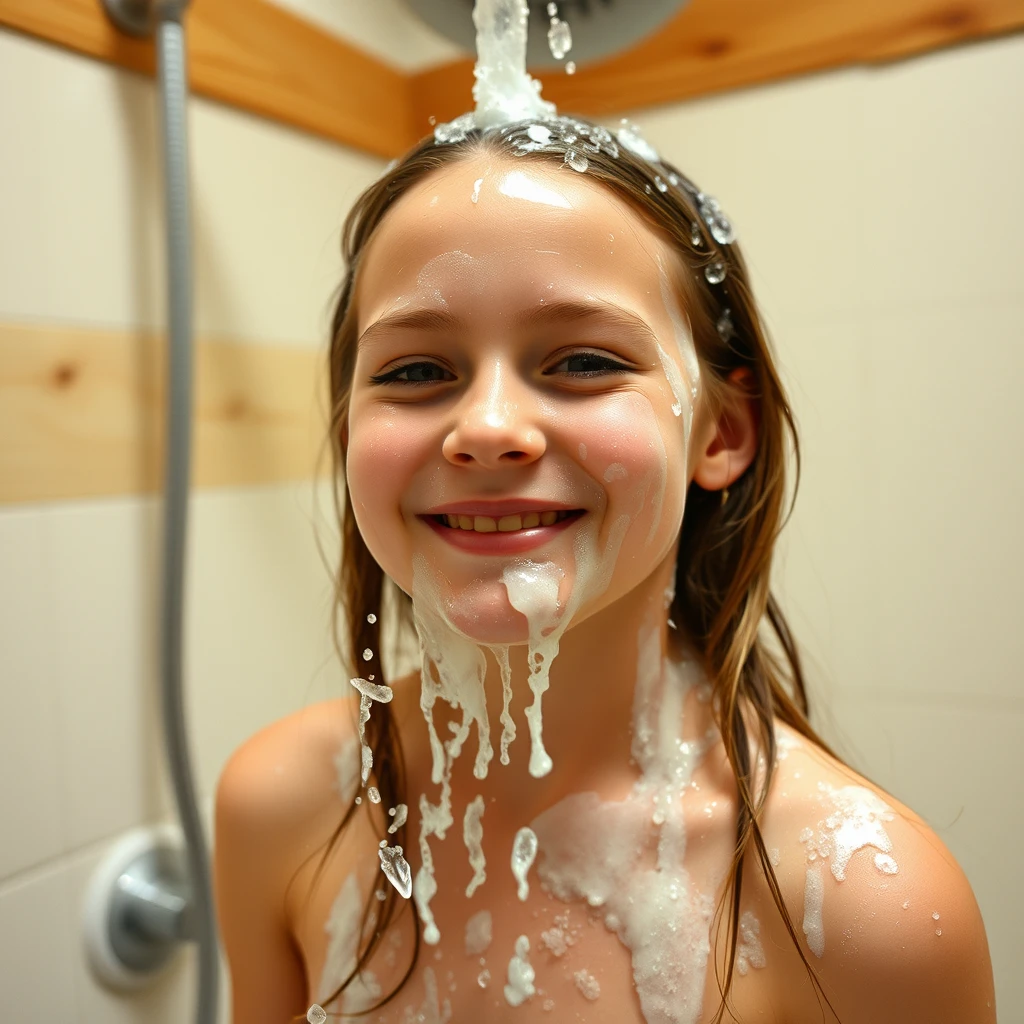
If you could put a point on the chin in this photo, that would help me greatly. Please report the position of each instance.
(478, 610)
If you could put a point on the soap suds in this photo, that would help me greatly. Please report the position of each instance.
(431, 1011)
(749, 951)
(473, 834)
(521, 974)
(814, 894)
(478, 933)
(612, 856)
(524, 852)
(533, 591)
(340, 958)
(587, 984)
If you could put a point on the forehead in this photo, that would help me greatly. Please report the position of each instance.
(511, 231)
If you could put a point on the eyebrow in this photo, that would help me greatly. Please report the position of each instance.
(544, 315)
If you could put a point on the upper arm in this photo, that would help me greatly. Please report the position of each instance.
(252, 868)
(900, 938)
(917, 950)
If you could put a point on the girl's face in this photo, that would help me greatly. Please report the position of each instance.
(523, 390)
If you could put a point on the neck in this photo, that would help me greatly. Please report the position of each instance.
(604, 683)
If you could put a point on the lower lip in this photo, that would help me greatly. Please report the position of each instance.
(514, 542)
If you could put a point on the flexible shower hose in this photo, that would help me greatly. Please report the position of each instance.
(173, 87)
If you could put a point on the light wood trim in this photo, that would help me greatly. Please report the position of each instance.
(252, 55)
(713, 45)
(82, 413)
(256, 56)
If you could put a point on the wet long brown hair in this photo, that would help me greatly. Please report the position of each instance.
(723, 601)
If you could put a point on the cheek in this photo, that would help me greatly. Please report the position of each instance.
(384, 453)
(638, 458)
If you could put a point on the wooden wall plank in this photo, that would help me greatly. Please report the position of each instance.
(256, 56)
(82, 413)
(713, 45)
(252, 55)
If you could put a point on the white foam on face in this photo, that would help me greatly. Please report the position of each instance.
(342, 945)
(685, 384)
(478, 933)
(473, 835)
(616, 471)
(443, 267)
(508, 725)
(533, 591)
(521, 974)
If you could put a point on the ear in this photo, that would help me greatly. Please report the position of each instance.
(728, 444)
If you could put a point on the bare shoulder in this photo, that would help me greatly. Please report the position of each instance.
(288, 771)
(279, 797)
(884, 913)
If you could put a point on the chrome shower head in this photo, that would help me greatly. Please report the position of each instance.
(599, 27)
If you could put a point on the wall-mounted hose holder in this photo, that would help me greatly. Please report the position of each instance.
(138, 908)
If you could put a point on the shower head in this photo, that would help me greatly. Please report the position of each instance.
(599, 27)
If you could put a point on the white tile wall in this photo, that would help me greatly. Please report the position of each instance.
(881, 211)
(80, 748)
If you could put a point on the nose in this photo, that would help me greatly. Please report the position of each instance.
(496, 423)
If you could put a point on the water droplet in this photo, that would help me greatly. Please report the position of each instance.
(401, 814)
(718, 224)
(372, 690)
(695, 236)
(381, 895)
(570, 67)
(559, 38)
(358, 800)
(316, 1014)
(659, 184)
(577, 161)
(483, 979)
(938, 931)
(935, 916)
(725, 327)
(374, 794)
(715, 273)
(396, 869)
(371, 618)
(367, 654)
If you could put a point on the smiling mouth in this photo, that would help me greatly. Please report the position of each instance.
(506, 524)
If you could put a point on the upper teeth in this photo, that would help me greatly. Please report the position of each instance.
(506, 524)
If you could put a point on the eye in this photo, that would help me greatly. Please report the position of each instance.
(413, 373)
(588, 364)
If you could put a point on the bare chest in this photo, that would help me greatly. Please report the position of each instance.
(638, 951)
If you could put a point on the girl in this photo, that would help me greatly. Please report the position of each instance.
(563, 438)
